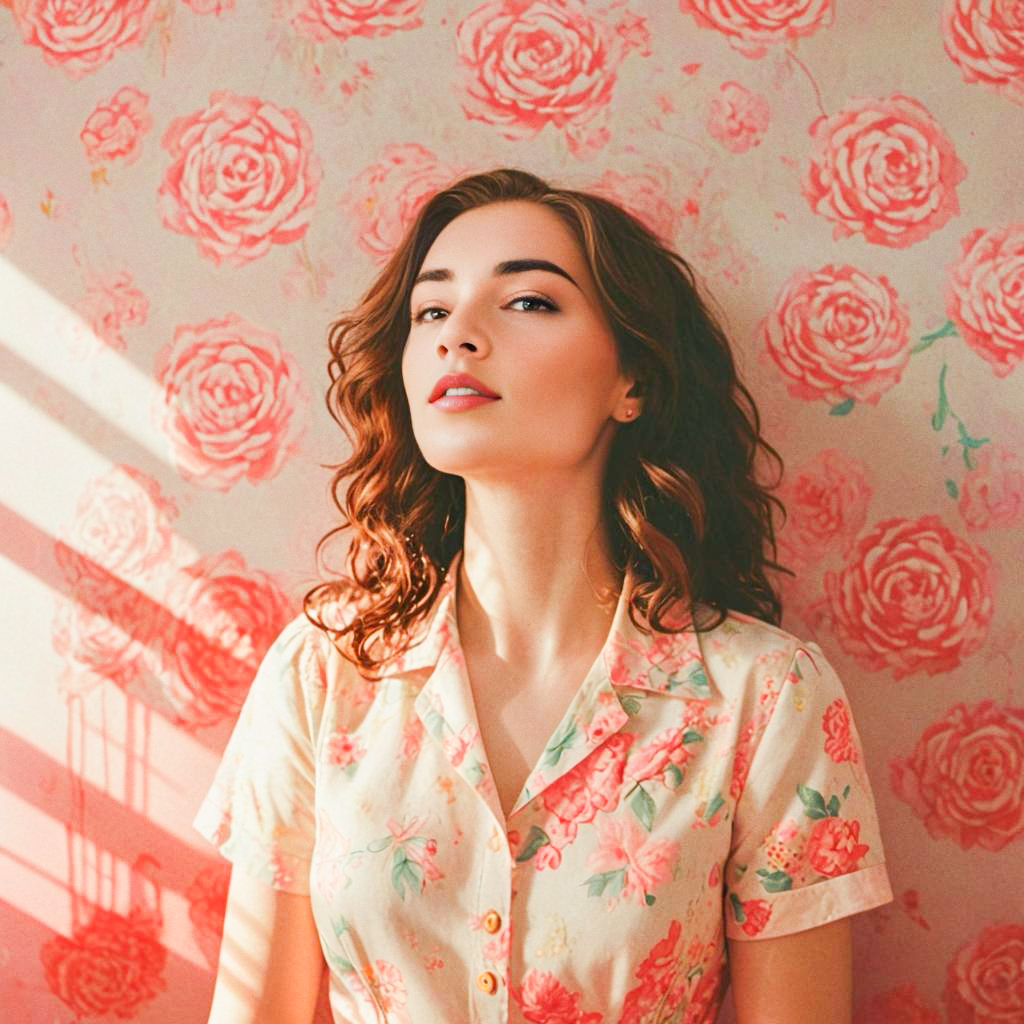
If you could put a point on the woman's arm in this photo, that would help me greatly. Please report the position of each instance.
(803, 978)
(270, 958)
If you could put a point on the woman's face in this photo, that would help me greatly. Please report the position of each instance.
(535, 337)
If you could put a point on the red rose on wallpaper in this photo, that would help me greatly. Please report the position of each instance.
(112, 303)
(826, 501)
(384, 199)
(244, 177)
(751, 24)
(985, 295)
(121, 527)
(835, 722)
(83, 36)
(912, 597)
(833, 847)
(965, 777)
(341, 19)
(884, 168)
(738, 117)
(992, 494)
(217, 7)
(528, 64)
(231, 403)
(543, 999)
(207, 897)
(648, 196)
(838, 334)
(985, 980)
(224, 617)
(114, 130)
(900, 1005)
(112, 965)
(6, 222)
(986, 41)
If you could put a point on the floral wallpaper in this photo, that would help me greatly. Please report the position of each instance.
(190, 189)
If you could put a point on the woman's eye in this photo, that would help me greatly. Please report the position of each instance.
(538, 305)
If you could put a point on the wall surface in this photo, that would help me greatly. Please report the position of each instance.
(189, 191)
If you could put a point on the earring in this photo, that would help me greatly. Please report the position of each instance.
(629, 412)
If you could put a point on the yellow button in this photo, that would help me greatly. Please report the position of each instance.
(492, 921)
(486, 982)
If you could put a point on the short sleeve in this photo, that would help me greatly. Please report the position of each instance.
(806, 846)
(259, 811)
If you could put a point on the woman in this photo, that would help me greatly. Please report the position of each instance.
(544, 754)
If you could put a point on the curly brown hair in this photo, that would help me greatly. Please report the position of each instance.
(681, 494)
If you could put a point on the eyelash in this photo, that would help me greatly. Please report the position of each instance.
(549, 307)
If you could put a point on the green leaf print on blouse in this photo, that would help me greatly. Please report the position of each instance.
(534, 841)
(560, 744)
(412, 856)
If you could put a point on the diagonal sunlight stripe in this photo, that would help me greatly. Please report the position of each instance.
(41, 329)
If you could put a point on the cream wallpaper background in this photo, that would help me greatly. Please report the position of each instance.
(190, 190)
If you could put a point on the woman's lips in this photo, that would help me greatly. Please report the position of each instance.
(461, 403)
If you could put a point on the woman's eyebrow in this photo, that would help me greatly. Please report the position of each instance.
(506, 267)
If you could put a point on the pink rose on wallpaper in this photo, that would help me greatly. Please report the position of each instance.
(645, 863)
(838, 334)
(384, 199)
(750, 25)
(900, 1005)
(244, 177)
(207, 897)
(965, 777)
(223, 617)
(835, 722)
(992, 494)
(826, 502)
(111, 304)
(912, 597)
(985, 295)
(834, 848)
(985, 980)
(114, 130)
(6, 222)
(112, 965)
(217, 7)
(884, 168)
(232, 402)
(81, 37)
(648, 196)
(543, 999)
(341, 19)
(985, 39)
(121, 527)
(738, 118)
(529, 63)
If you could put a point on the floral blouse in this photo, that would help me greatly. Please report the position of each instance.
(698, 787)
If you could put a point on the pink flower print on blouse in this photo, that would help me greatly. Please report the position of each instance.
(384, 198)
(81, 37)
(985, 295)
(592, 785)
(838, 334)
(343, 19)
(529, 64)
(543, 999)
(384, 986)
(835, 722)
(752, 915)
(343, 749)
(833, 848)
(455, 747)
(115, 129)
(738, 117)
(661, 987)
(411, 856)
(912, 597)
(884, 168)
(992, 494)
(667, 752)
(232, 402)
(244, 177)
(628, 863)
(986, 41)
